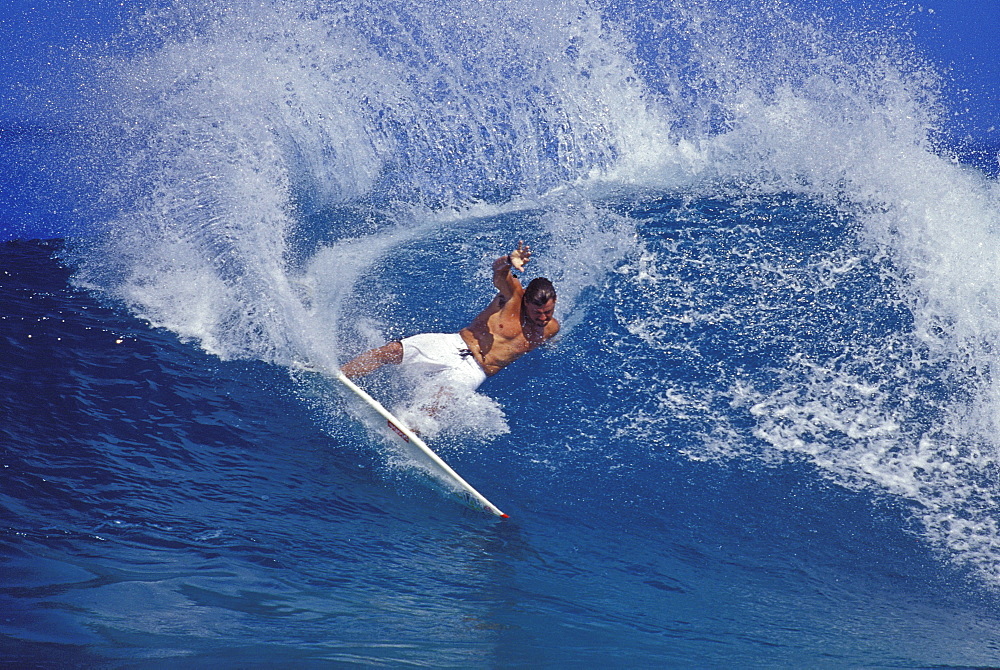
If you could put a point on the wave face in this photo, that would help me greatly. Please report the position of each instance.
(760, 244)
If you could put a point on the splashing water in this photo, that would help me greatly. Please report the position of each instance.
(275, 166)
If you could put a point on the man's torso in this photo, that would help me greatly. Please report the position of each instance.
(497, 339)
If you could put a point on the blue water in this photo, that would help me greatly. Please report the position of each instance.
(766, 436)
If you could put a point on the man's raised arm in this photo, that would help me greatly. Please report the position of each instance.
(503, 279)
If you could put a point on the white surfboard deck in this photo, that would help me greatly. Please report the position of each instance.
(414, 445)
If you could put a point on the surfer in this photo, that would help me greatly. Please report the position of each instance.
(517, 321)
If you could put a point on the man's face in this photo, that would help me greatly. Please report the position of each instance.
(539, 315)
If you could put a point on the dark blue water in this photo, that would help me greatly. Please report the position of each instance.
(160, 504)
(766, 436)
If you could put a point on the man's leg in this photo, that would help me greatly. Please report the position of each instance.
(372, 360)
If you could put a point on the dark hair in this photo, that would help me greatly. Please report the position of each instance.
(539, 291)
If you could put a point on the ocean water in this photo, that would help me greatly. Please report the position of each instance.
(767, 435)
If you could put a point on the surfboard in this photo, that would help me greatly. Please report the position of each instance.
(414, 445)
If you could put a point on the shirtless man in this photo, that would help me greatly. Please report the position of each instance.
(515, 322)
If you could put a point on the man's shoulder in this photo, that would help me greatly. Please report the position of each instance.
(551, 329)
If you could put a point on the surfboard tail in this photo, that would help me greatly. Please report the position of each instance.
(416, 446)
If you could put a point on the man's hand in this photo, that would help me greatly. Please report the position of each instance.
(520, 256)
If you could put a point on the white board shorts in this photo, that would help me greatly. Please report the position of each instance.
(445, 357)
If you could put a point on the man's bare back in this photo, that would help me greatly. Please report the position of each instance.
(517, 321)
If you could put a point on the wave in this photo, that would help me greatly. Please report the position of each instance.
(267, 165)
